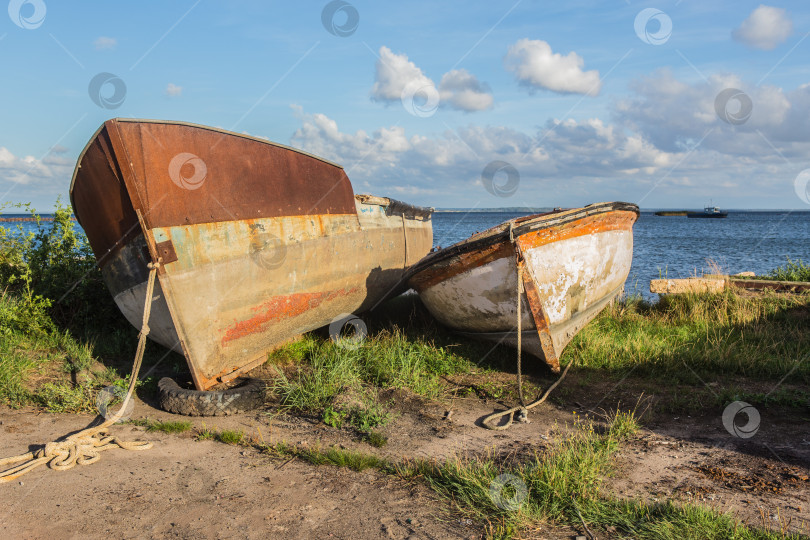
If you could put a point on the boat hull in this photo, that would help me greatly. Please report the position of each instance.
(573, 264)
(234, 285)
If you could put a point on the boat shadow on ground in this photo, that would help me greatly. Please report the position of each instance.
(679, 394)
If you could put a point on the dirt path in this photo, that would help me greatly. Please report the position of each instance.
(185, 488)
(202, 489)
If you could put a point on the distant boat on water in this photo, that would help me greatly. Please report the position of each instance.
(708, 212)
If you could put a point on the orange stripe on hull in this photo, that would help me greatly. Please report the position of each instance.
(613, 221)
(618, 220)
(281, 307)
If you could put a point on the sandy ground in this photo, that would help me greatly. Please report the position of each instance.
(185, 488)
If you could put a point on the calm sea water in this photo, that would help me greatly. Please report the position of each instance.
(678, 246)
(665, 246)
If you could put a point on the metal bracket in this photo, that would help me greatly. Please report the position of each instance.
(165, 250)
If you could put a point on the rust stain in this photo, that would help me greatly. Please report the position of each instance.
(281, 307)
(618, 220)
(541, 323)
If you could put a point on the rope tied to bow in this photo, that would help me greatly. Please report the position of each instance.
(522, 409)
(84, 447)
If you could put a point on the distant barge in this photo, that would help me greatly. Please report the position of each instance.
(708, 212)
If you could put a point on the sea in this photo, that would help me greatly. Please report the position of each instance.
(663, 246)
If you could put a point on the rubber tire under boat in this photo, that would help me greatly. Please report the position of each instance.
(245, 397)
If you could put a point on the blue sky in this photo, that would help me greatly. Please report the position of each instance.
(581, 100)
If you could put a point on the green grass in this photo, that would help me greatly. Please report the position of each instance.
(165, 427)
(729, 334)
(342, 384)
(231, 437)
(562, 485)
(205, 434)
(791, 271)
(375, 439)
(357, 461)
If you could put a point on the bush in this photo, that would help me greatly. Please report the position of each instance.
(52, 271)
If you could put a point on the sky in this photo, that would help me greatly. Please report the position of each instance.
(455, 104)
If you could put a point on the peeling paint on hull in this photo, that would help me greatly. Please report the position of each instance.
(577, 262)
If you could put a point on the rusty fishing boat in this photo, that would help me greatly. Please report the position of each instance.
(564, 266)
(256, 242)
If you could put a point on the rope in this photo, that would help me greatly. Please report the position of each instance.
(83, 447)
(509, 412)
(522, 409)
(520, 334)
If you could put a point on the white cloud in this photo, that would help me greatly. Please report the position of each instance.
(172, 90)
(535, 65)
(765, 28)
(105, 43)
(458, 89)
(647, 151)
(461, 90)
(562, 155)
(30, 170)
(674, 115)
(394, 73)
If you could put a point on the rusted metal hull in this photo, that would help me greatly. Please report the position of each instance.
(573, 263)
(266, 244)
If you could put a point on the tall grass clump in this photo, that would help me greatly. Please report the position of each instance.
(729, 332)
(791, 271)
(341, 382)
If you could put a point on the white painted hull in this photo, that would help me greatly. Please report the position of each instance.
(574, 274)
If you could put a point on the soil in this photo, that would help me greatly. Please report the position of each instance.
(185, 488)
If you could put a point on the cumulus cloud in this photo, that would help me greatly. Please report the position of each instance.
(535, 65)
(674, 115)
(30, 170)
(765, 28)
(562, 155)
(666, 143)
(461, 90)
(105, 43)
(458, 89)
(172, 90)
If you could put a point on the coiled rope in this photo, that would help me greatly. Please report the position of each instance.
(83, 447)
